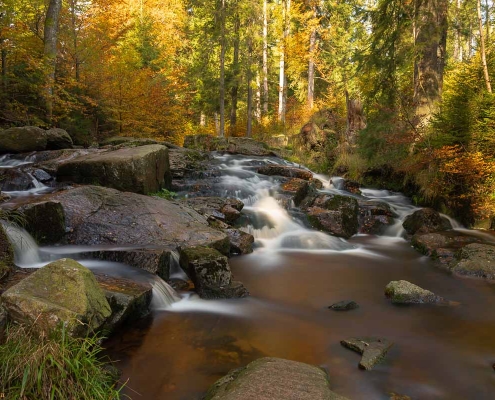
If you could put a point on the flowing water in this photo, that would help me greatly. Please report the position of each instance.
(294, 274)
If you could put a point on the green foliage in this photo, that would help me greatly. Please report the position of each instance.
(55, 367)
(165, 194)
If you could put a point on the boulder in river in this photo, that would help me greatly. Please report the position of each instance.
(426, 220)
(298, 188)
(240, 242)
(334, 214)
(351, 186)
(475, 259)
(404, 292)
(273, 379)
(286, 171)
(344, 305)
(57, 139)
(61, 293)
(210, 272)
(96, 215)
(374, 217)
(224, 209)
(6, 254)
(45, 221)
(14, 179)
(373, 349)
(143, 169)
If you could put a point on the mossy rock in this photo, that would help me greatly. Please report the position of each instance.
(6, 254)
(475, 259)
(61, 293)
(404, 292)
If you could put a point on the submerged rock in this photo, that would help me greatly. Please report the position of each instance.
(344, 305)
(143, 169)
(210, 272)
(273, 379)
(334, 214)
(62, 292)
(404, 292)
(97, 215)
(373, 350)
(476, 260)
(426, 220)
(282, 170)
(6, 254)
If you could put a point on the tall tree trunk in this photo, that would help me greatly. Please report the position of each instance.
(223, 48)
(430, 44)
(457, 32)
(355, 118)
(249, 92)
(257, 111)
(234, 90)
(282, 83)
(75, 42)
(50, 51)
(4, 67)
(482, 49)
(311, 65)
(265, 57)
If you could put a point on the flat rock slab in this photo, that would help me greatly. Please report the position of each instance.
(282, 170)
(404, 292)
(142, 169)
(97, 215)
(373, 349)
(476, 259)
(274, 379)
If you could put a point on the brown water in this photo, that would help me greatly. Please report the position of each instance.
(440, 352)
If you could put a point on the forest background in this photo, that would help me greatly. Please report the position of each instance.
(392, 93)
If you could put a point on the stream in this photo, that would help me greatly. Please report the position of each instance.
(293, 275)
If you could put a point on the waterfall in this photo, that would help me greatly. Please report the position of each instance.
(163, 294)
(26, 251)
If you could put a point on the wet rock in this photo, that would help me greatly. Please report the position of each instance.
(476, 260)
(62, 292)
(228, 209)
(6, 254)
(185, 162)
(14, 179)
(334, 214)
(97, 215)
(143, 169)
(41, 175)
(240, 242)
(22, 139)
(344, 305)
(57, 139)
(298, 188)
(373, 350)
(233, 145)
(374, 217)
(155, 261)
(351, 186)
(273, 379)
(45, 221)
(179, 284)
(442, 246)
(128, 300)
(210, 272)
(49, 161)
(282, 170)
(404, 292)
(426, 220)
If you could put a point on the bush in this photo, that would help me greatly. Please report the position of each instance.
(55, 367)
(165, 194)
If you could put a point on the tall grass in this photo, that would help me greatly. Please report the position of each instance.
(34, 367)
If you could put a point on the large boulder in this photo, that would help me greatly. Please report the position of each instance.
(126, 141)
(282, 170)
(334, 214)
(475, 259)
(6, 254)
(404, 292)
(143, 169)
(61, 293)
(97, 215)
(210, 272)
(45, 221)
(273, 379)
(57, 139)
(426, 220)
(22, 139)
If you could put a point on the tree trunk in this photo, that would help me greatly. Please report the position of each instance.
(75, 43)
(282, 83)
(249, 100)
(482, 49)
(457, 33)
(355, 118)
(234, 90)
(50, 51)
(430, 44)
(311, 66)
(223, 47)
(265, 57)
